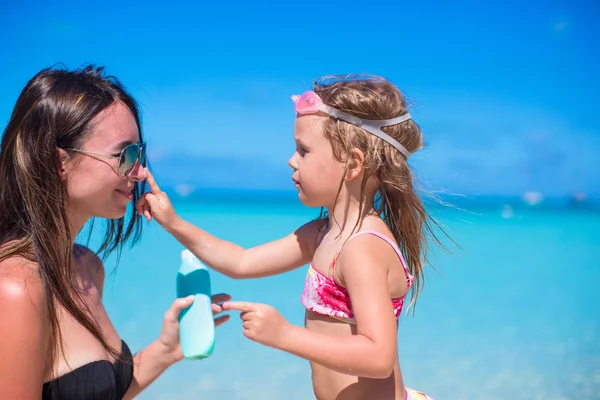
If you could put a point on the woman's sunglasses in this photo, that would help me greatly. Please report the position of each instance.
(129, 156)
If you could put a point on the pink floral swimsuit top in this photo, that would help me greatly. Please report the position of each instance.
(322, 295)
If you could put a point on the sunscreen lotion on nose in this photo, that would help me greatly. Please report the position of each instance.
(196, 324)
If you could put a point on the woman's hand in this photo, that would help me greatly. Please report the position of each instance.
(169, 336)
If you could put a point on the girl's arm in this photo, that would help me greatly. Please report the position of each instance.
(372, 352)
(228, 258)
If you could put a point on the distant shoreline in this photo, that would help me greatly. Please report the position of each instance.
(283, 197)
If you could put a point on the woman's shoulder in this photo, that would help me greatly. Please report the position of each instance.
(22, 289)
(91, 262)
(25, 323)
(18, 268)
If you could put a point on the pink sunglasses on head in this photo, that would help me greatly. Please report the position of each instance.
(310, 103)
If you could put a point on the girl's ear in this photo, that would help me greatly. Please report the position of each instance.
(356, 164)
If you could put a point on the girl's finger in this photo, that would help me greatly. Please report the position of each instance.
(246, 316)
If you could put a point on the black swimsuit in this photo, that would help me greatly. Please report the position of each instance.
(98, 380)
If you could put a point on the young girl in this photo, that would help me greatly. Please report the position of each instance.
(353, 138)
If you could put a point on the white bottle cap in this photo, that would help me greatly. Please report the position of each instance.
(187, 255)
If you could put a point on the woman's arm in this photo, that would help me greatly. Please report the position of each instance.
(151, 362)
(24, 331)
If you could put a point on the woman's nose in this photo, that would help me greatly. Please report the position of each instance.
(138, 173)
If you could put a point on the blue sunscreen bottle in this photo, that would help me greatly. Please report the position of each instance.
(196, 324)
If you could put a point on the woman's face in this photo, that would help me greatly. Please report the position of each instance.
(94, 187)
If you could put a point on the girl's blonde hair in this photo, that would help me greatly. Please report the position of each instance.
(396, 200)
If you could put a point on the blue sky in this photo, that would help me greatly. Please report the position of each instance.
(506, 92)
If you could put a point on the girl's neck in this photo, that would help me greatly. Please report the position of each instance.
(348, 215)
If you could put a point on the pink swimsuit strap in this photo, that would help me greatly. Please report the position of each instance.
(381, 236)
(323, 295)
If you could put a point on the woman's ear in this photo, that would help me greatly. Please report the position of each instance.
(356, 164)
(62, 166)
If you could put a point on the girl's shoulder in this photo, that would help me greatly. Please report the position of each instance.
(372, 243)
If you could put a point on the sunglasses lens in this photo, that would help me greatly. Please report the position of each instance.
(129, 156)
(142, 154)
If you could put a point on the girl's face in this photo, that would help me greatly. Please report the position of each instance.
(317, 173)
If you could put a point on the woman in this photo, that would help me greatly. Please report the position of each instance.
(72, 151)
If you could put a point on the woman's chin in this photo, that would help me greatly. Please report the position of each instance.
(117, 213)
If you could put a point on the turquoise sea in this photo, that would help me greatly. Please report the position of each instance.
(513, 315)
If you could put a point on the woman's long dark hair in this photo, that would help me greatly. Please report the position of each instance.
(55, 110)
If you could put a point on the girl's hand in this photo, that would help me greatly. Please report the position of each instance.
(262, 323)
(169, 336)
(156, 204)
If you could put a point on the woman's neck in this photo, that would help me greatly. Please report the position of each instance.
(76, 224)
